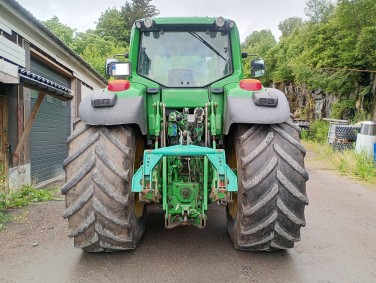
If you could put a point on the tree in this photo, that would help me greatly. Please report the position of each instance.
(98, 50)
(137, 9)
(355, 21)
(319, 10)
(288, 26)
(111, 35)
(95, 49)
(62, 31)
(111, 25)
(260, 43)
(116, 25)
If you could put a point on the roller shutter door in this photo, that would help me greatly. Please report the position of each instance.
(50, 129)
(49, 139)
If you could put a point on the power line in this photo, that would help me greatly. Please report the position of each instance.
(348, 69)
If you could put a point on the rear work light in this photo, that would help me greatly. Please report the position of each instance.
(104, 99)
(119, 85)
(265, 99)
(251, 84)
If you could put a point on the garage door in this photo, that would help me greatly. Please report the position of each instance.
(49, 138)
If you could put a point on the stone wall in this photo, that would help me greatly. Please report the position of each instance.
(308, 105)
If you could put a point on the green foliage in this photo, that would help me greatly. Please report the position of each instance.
(343, 109)
(288, 26)
(112, 27)
(64, 32)
(110, 37)
(22, 197)
(304, 134)
(96, 49)
(259, 43)
(319, 10)
(359, 166)
(134, 10)
(94, 46)
(318, 132)
(328, 52)
(115, 25)
(365, 167)
(361, 116)
(366, 47)
(3, 182)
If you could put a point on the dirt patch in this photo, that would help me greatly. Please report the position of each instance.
(33, 227)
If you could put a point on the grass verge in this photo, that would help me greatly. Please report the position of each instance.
(22, 197)
(359, 166)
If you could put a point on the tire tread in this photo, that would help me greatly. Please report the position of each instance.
(272, 193)
(99, 208)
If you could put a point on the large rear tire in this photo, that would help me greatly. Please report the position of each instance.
(268, 210)
(102, 212)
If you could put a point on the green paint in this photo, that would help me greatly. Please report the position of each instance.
(180, 98)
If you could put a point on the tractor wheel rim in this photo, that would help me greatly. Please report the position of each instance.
(233, 207)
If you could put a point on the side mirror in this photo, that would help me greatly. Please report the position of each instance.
(118, 69)
(257, 68)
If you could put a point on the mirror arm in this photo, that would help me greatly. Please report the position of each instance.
(245, 55)
(126, 55)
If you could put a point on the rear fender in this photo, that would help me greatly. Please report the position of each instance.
(126, 110)
(242, 109)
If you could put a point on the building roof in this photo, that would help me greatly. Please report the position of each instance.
(49, 33)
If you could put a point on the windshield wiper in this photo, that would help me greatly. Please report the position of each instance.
(207, 44)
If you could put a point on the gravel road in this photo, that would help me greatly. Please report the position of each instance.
(338, 245)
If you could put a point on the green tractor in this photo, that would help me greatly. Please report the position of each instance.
(181, 127)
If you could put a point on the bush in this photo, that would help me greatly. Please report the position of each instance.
(343, 109)
(304, 134)
(318, 132)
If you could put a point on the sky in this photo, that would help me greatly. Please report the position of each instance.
(249, 15)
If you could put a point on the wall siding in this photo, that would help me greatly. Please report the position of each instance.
(12, 52)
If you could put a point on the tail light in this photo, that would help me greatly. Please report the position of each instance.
(251, 84)
(119, 85)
